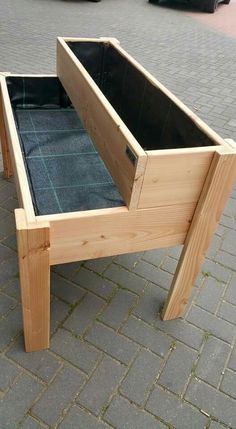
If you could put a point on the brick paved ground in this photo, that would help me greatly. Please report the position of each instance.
(112, 362)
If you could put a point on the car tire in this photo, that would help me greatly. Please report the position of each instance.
(210, 6)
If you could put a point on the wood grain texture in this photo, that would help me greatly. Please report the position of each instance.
(33, 256)
(174, 177)
(214, 195)
(7, 166)
(117, 231)
(109, 133)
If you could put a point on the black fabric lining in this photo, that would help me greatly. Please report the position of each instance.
(154, 120)
(64, 169)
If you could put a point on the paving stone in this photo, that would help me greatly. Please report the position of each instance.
(228, 384)
(212, 361)
(67, 270)
(228, 312)
(174, 411)
(112, 343)
(155, 257)
(9, 269)
(12, 288)
(226, 259)
(59, 394)
(124, 415)
(230, 294)
(94, 283)
(30, 423)
(175, 252)
(169, 265)
(128, 260)
(216, 271)
(101, 385)
(214, 247)
(118, 309)
(10, 241)
(232, 361)
(182, 331)
(74, 350)
(10, 327)
(8, 373)
(18, 400)
(65, 290)
(78, 418)
(147, 336)
(178, 368)
(141, 377)
(209, 294)
(98, 265)
(150, 303)
(215, 425)
(153, 274)
(210, 323)
(228, 244)
(212, 401)
(59, 311)
(84, 314)
(125, 278)
(5, 253)
(42, 363)
(6, 304)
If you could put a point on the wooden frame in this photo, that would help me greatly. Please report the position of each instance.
(172, 197)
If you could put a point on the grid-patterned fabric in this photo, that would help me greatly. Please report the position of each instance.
(64, 169)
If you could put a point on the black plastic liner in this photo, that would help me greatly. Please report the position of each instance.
(154, 120)
(65, 171)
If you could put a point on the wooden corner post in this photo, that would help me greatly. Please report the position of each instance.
(33, 254)
(216, 191)
(7, 165)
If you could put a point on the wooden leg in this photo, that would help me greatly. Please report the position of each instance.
(214, 195)
(7, 166)
(33, 254)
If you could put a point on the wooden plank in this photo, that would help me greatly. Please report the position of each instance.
(33, 254)
(21, 180)
(95, 234)
(216, 139)
(7, 166)
(214, 195)
(106, 128)
(174, 177)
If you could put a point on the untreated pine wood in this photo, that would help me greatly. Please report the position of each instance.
(7, 166)
(33, 256)
(214, 195)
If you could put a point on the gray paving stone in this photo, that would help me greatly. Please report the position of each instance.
(125, 278)
(227, 312)
(74, 350)
(128, 260)
(78, 418)
(178, 368)
(226, 259)
(42, 363)
(10, 327)
(59, 394)
(9, 269)
(230, 295)
(169, 265)
(18, 400)
(101, 385)
(154, 274)
(174, 411)
(94, 283)
(67, 270)
(150, 303)
(124, 415)
(6, 304)
(65, 290)
(182, 331)
(212, 401)
(59, 311)
(228, 384)
(5, 253)
(141, 377)
(216, 271)
(12, 288)
(112, 343)
(212, 361)
(232, 361)
(30, 423)
(207, 321)
(118, 309)
(175, 252)
(210, 294)
(215, 425)
(98, 265)
(84, 314)
(214, 247)
(147, 336)
(228, 244)
(8, 373)
(155, 257)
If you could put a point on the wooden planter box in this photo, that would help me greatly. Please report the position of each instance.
(166, 180)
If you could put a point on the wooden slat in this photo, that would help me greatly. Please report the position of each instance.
(7, 166)
(33, 254)
(174, 177)
(215, 193)
(107, 130)
(117, 231)
(21, 180)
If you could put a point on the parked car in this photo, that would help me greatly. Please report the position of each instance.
(206, 5)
